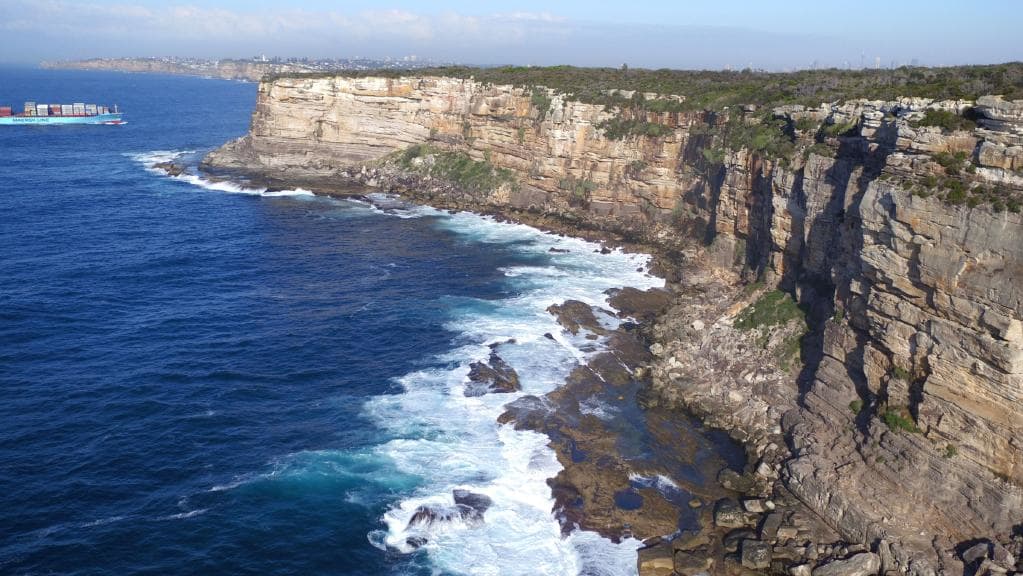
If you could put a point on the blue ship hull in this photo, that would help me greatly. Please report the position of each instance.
(112, 118)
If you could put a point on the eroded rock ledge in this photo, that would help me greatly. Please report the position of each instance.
(902, 427)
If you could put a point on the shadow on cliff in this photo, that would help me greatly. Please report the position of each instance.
(829, 261)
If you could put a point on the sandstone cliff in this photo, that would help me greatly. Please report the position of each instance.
(905, 426)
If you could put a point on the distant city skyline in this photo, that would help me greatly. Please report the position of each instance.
(735, 34)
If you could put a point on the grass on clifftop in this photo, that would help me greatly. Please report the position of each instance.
(455, 167)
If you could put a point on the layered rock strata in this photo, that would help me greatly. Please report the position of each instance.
(904, 427)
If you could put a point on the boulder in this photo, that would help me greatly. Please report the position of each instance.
(728, 514)
(656, 560)
(733, 539)
(862, 564)
(758, 505)
(691, 563)
(689, 540)
(469, 508)
(170, 168)
(755, 554)
(1002, 557)
(575, 315)
(734, 481)
(527, 413)
(478, 502)
(770, 525)
(644, 305)
(976, 553)
(494, 376)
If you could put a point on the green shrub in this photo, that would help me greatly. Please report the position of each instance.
(772, 309)
(635, 168)
(791, 351)
(806, 124)
(945, 119)
(952, 163)
(856, 406)
(820, 149)
(901, 373)
(456, 167)
(955, 197)
(899, 420)
(618, 129)
(713, 156)
(540, 100)
(950, 451)
(579, 189)
(839, 129)
(766, 136)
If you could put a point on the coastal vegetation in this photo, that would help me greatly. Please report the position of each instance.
(453, 166)
(945, 119)
(775, 310)
(716, 90)
(899, 420)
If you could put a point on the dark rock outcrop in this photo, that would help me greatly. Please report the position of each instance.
(575, 316)
(494, 376)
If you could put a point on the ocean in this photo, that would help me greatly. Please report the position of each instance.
(200, 378)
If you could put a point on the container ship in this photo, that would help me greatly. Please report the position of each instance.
(77, 113)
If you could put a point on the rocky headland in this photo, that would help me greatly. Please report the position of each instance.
(227, 69)
(844, 296)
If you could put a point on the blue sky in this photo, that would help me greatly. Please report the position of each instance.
(773, 35)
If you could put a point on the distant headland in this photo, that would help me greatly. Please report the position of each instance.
(251, 69)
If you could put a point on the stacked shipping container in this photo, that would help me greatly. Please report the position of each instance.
(76, 109)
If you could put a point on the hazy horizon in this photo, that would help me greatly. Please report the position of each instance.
(727, 34)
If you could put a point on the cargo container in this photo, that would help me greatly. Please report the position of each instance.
(77, 113)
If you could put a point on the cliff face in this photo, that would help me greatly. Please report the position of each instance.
(924, 297)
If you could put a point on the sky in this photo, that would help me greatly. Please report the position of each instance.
(764, 34)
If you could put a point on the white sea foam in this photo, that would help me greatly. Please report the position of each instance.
(183, 515)
(454, 442)
(598, 408)
(660, 482)
(441, 440)
(103, 521)
(150, 159)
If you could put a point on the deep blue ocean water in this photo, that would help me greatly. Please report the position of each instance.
(201, 379)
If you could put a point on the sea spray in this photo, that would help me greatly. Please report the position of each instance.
(441, 440)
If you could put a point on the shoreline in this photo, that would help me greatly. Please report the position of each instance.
(728, 528)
